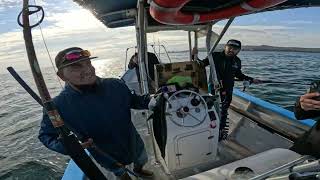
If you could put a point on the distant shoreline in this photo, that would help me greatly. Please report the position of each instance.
(269, 48)
(280, 49)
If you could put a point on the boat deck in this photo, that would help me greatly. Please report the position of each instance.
(246, 138)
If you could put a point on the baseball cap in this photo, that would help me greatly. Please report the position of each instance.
(70, 56)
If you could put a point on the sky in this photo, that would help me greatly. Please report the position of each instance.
(66, 25)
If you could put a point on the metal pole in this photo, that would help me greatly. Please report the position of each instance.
(190, 46)
(143, 55)
(213, 78)
(214, 85)
(125, 63)
(226, 27)
(141, 38)
(196, 44)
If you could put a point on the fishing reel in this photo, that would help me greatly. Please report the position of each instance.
(246, 84)
(315, 87)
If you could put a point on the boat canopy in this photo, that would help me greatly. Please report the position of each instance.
(121, 13)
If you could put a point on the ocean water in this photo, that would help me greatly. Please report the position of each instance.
(22, 156)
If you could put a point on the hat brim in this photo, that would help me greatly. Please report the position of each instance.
(79, 60)
(237, 46)
(234, 44)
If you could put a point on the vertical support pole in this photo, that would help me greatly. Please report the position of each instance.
(213, 79)
(142, 42)
(196, 44)
(142, 54)
(190, 46)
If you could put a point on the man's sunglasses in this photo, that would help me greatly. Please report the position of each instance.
(77, 54)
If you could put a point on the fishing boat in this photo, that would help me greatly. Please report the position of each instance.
(183, 143)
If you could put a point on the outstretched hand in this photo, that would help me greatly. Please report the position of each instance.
(308, 103)
(256, 81)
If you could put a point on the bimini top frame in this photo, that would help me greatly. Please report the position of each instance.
(142, 28)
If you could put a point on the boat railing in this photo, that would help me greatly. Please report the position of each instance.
(153, 46)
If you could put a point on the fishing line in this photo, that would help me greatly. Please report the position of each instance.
(46, 47)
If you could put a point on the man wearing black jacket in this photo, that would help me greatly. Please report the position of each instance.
(308, 107)
(228, 67)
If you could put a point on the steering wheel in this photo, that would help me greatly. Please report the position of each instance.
(186, 108)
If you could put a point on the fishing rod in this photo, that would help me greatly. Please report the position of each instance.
(34, 95)
(25, 86)
(66, 137)
(281, 82)
(275, 82)
(246, 84)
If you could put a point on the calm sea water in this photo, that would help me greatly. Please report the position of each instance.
(22, 156)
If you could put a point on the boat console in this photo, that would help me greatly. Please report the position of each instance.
(191, 119)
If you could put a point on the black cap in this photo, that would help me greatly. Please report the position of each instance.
(234, 43)
(62, 62)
